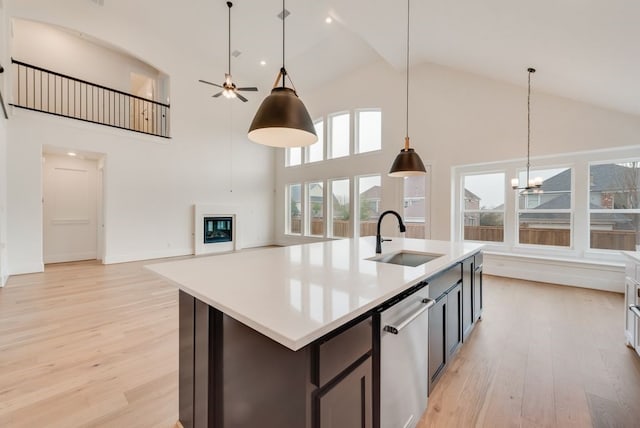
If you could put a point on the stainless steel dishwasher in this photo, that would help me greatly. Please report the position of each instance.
(404, 340)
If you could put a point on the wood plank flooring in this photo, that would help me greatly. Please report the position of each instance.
(543, 356)
(87, 345)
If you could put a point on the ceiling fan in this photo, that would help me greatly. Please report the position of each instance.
(229, 89)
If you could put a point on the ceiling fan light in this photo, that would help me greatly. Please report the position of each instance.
(407, 164)
(282, 120)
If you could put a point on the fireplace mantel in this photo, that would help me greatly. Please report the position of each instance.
(209, 210)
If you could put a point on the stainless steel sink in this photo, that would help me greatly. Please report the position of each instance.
(406, 258)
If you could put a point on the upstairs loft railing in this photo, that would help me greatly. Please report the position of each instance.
(47, 91)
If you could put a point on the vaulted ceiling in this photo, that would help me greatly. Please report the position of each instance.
(586, 50)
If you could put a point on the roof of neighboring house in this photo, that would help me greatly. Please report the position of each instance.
(374, 192)
(468, 194)
(563, 201)
(604, 177)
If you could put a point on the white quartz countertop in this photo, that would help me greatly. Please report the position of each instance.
(295, 295)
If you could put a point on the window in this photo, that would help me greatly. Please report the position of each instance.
(293, 156)
(483, 207)
(315, 208)
(414, 206)
(340, 208)
(315, 152)
(339, 128)
(369, 197)
(614, 208)
(544, 216)
(369, 134)
(294, 209)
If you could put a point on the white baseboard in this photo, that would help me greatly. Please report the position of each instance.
(71, 257)
(147, 255)
(578, 273)
(28, 267)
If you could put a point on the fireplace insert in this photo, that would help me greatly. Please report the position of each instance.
(218, 229)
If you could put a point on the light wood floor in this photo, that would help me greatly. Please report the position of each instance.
(89, 345)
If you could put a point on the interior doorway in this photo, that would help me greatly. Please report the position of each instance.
(72, 206)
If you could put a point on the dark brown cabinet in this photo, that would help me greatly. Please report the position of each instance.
(437, 345)
(347, 403)
(467, 297)
(477, 287)
(454, 319)
(458, 295)
(445, 320)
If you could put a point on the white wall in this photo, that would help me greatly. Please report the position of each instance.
(64, 52)
(150, 184)
(456, 118)
(3, 154)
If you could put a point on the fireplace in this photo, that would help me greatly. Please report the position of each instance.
(217, 229)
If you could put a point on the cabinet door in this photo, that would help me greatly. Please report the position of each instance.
(630, 299)
(477, 293)
(467, 287)
(437, 339)
(347, 403)
(454, 320)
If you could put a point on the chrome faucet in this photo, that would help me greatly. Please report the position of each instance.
(379, 239)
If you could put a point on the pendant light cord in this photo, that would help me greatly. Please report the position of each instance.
(530, 70)
(284, 72)
(407, 106)
(229, 4)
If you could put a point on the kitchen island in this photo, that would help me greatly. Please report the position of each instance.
(290, 336)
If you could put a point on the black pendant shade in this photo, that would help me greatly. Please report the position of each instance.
(282, 121)
(407, 163)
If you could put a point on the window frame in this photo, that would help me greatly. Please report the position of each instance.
(330, 230)
(308, 218)
(479, 211)
(356, 130)
(569, 211)
(614, 210)
(329, 136)
(287, 226)
(307, 149)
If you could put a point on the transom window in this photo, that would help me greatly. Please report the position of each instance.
(335, 135)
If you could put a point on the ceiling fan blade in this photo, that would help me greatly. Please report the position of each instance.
(244, 100)
(217, 95)
(209, 83)
(251, 88)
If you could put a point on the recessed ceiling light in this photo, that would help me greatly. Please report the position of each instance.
(71, 154)
(263, 62)
(328, 20)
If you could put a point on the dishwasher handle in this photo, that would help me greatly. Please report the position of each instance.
(395, 329)
(635, 309)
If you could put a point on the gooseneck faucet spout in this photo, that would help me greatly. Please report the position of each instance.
(379, 239)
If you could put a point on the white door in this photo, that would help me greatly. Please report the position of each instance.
(70, 189)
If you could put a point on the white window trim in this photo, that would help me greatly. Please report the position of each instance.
(329, 136)
(356, 130)
(579, 162)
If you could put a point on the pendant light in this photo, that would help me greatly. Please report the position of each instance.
(532, 184)
(282, 119)
(407, 163)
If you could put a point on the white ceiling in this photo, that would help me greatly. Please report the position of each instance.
(587, 50)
